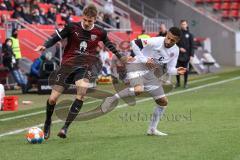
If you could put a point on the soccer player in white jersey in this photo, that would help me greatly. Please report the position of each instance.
(150, 54)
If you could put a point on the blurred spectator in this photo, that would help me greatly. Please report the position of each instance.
(76, 6)
(107, 19)
(36, 66)
(3, 6)
(29, 10)
(108, 7)
(34, 5)
(162, 30)
(43, 17)
(143, 35)
(16, 45)
(186, 47)
(82, 4)
(36, 19)
(9, 61)
(28, 13)
(51, 15)
(100, 16)
(106, 62)
(117, 22)
(3, 19)
(18, 12)
(67, 16)
(8, 5)
(109, 11)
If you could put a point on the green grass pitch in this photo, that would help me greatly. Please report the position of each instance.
(203, 124)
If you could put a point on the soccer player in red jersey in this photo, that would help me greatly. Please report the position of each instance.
(79, 65)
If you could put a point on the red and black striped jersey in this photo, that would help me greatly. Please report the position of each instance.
(81, 44)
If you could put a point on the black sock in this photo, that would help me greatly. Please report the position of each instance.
(178, 79)
(49, 112)
(74, 110)
(185, 78)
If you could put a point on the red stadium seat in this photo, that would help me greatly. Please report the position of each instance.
(199, 1)
(225, 15)
(225, 6)
(235, 6)
(209, 1)
(227, 1)
(216, 6)
(217, 1)
(234, 14)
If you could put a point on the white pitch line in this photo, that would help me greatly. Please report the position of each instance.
(40, 112)
(24, 129)
(139, 101)
(201, 80)
(35, 113)
(187, 90)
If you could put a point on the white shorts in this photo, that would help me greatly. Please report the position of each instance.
(150, 82)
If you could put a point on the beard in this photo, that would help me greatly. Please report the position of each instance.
(167, 45)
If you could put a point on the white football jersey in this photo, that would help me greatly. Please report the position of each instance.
(154, 48)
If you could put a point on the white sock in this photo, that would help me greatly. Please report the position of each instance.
(157, 114)
(124, 93)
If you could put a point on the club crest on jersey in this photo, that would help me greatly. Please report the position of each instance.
(93, 37)
(145, 42)
(171, 54)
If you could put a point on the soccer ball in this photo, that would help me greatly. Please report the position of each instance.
(35, 135)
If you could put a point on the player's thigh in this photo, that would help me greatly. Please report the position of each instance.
(137, 84)
(154, 87)
(82, 86)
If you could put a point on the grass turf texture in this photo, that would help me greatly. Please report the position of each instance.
(202, 124)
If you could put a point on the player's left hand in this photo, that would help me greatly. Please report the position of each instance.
(150, 64)
(181, 70)
(126, 59)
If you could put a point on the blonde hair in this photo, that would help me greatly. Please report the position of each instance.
(90, 11)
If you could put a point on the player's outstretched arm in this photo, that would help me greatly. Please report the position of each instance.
(57, 36)
(112, 48)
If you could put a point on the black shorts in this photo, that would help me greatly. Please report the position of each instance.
(67, 75)
(183, 64)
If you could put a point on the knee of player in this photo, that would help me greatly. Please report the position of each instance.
(162, 101)
(52, 100)
(80, 97)
(138, 89)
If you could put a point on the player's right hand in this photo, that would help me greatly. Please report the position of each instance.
(181, 70)
(182, 50)
(150, 64)
(40, 48)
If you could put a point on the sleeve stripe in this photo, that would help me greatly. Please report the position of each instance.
(138, 42)
(58, 34)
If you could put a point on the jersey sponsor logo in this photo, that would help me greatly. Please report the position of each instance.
(93, 37)
(161, 59)
(83, 47)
